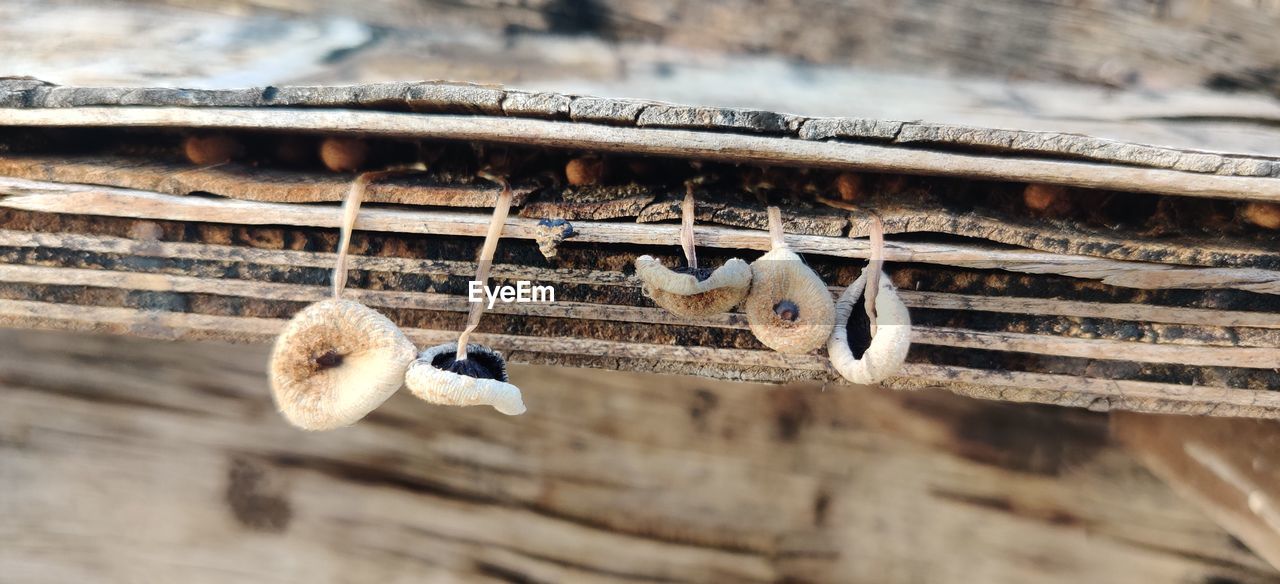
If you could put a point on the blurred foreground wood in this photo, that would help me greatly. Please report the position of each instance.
(132, 460)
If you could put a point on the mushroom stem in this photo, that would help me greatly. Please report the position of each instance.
(500, 210)
(873, 270)
(686, 228)
(350, 209)
(775, 228)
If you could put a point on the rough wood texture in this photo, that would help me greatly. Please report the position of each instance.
(1212, 354)
(1229, 467)
(1179, 73)
(709, 141)
(114, 202)
(127, 458)
(474, 99)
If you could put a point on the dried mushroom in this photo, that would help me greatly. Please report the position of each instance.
(789, 308)
(693, 291)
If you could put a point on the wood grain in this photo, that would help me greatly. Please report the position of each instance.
(132, 457)
(71, 198)
(663, 142)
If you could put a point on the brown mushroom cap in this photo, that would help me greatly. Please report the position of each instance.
(335, 362)
(210, 148)
(429, 378)
(685, 295)
(343, 154)
(1265, 215)
(586, 170)
(781, 278)
(874, 358)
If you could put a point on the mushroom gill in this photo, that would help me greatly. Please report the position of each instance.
(439, 377)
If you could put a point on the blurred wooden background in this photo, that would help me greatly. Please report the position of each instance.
(133, 461)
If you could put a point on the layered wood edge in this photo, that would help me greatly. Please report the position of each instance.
(723, 362)
(116, 202)
(664, 142)
(488, 100)
(324, 260)
(1004, 385)
(902, 213)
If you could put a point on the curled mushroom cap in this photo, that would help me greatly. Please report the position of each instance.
(854, 352)
(694, 292)
(335, 362)
(479, 380)
(789, 307)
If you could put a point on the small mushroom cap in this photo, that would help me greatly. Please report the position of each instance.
(586, 170)
(685, 295)
(335, 362)
(1266, 215)
(428, 380)
(778, 276)
(210, 148)
(343, 154)
(881, 358)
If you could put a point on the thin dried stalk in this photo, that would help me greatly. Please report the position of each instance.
(491, 238)
(873, 270)
(686, 228)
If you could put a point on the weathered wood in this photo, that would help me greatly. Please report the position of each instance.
(71, 198)
(1004, 385)
(1213, 238)
(916, 299)
(664, 142)
(744, 482)
(1228, 467)
(1266, 356)
(253, 184)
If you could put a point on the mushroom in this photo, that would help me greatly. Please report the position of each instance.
(692, 291)
(335, 362)
(462, 374)
(1265, 215)
(870, 342)
(206, 149)
(439, 377)
(585, 170)
(789, 307)
(337, 359)
(343, 154)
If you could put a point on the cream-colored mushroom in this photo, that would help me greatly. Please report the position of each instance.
(462, 374)
(693, 291)
(335, 362)
(856, 353)
(789, 308)
(337, 359)
(479, 380)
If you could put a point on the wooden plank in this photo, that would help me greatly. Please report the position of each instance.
(664, 142)
(1228, 467)
(67, 198)
(177, 463)
(1004, 385)
(912, 298)
(1260, 357)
